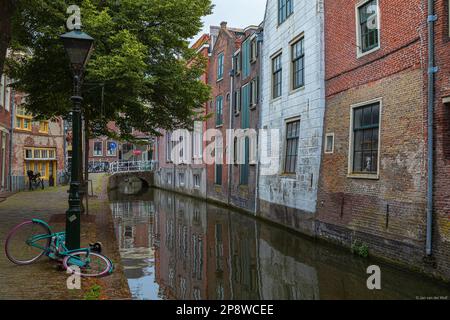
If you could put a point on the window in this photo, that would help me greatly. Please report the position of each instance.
(243, 179)
(285, 9)
(111, 148)
(219, 111)
(237, 63)
(40, 160)
(218, 174)
(237, 101)
(196, 178)
(246, 56)
(276, 76)
(98, 148)
(298, 64)
(254, 92)
(169, 178)
(23, 119)
(368, 29)
(329, 143)
(181, 178)
(292, 139)
(366, 123)
(169, 147)
(253, 50)
(245, 118)
(43, 126)
(220, 67)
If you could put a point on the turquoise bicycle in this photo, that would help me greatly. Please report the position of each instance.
(29, 241)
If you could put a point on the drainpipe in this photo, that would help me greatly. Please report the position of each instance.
(258, 141)
(230, 135)
(432, 69)
(11, 142)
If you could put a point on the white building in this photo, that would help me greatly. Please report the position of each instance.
(293, 101)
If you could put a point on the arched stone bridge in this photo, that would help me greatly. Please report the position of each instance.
(123, 171)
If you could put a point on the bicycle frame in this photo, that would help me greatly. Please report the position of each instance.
(53, 251)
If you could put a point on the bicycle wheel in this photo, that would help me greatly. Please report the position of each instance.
(97, 266)
(17, 247)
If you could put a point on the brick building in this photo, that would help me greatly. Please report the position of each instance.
(441, 239)
(219, 79)
(293, 102)
(38, 146)
(245, 116)
(373, 176)
(189, 177)
(5, 133)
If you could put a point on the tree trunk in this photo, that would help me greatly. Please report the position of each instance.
(7, 9)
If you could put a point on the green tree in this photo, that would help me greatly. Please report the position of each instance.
(138, 75)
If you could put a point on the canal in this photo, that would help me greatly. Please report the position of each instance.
(177, 247)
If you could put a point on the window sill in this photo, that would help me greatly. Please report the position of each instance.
(219, 80)
(289, 176)
(219, 126)
(273, 100)
(253, 107)
(23, 130)
(363, 54)
(294, 91)
(363, 176)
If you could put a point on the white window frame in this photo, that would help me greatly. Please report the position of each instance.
(94, 152)
(107, 151)
(328, 135)
(359, 52)
(371, 176)
(254, 97)
(284, 141)
(253, 49)
(182, 181)
(196, 186)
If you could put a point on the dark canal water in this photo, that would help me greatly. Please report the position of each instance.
(176, 247)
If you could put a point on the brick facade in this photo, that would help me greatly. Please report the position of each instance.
(226, 44)
(386, 210)
(245, 116)
(441, 239)
(34, 139)
(191, 177)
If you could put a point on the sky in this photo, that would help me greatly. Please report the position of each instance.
(238, 14)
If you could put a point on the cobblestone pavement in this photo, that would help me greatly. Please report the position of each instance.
(45, 279)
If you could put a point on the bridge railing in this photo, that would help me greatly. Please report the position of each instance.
(132, 166)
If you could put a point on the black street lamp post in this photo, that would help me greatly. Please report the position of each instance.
(79, 47)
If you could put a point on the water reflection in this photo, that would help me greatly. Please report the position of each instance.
(175, 247)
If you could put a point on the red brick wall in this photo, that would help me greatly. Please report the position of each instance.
(226, 43)
(344, 70)
(388, 213)
(442, 140)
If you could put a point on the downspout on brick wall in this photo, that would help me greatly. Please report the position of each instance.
(432, 69)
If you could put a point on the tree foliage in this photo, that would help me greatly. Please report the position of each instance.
(138, 74)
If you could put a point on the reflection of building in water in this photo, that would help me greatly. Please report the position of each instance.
(134, 223)
(180, 252)
(244, 260)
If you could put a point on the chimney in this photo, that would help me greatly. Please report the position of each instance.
(223, 25)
